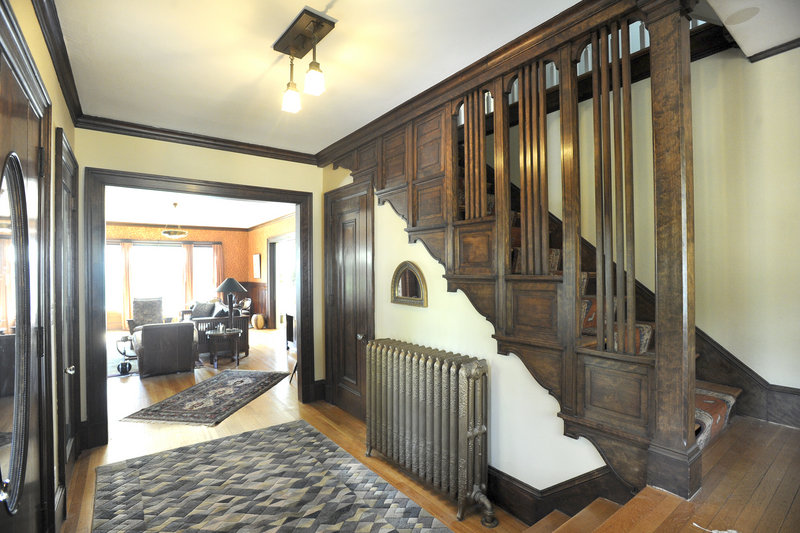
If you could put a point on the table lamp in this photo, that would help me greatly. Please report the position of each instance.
(230, 286)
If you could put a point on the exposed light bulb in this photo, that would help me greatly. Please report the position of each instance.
(315, 80)
(291, 98)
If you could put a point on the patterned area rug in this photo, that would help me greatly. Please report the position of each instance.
(211, 401)
(282, 478)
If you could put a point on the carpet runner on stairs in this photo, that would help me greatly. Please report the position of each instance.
(713, 405)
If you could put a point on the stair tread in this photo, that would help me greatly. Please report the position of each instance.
(549, 523)
(590, 517)
(717, 387)
(647, 509)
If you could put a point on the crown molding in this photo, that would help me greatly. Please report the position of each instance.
(51, 30)
(54, 38)
(120, 127)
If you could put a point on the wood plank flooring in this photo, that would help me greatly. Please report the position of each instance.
(751, 473)
(131, 439)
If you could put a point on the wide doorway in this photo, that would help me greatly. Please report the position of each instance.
(130, 262)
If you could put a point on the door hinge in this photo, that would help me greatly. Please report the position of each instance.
(41, 161)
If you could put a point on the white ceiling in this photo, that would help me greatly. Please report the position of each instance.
(207, 67)
(142, 206)
(758, 25)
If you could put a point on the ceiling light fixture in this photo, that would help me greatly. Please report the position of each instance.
(291, 97)
(176, 232)
(302, 35)
(315, 80)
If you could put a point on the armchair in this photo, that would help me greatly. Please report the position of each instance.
(145, 311)
(165, 348)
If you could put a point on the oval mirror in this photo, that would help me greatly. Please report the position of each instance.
(15, 331)
(408, 285)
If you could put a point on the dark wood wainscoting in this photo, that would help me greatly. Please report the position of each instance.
(259, 293)
(570, 496)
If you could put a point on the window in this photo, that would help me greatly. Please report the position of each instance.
(157, 270)
(203, 277)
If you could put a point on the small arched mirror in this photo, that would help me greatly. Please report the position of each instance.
(15, 333)
(408, 285)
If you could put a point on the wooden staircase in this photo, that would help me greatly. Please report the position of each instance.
(647, 511)
(470, 172)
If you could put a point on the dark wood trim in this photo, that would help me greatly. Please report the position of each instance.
(319, 390)
(12, 43)
(66, 173)
(530, 504)
(47, 14)
(775, 50)
(706, 40)
(109, 125)
(272, 319)
(94, 206)
(759, 399)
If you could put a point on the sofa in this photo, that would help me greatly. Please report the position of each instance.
(208, 315)
(165, 348)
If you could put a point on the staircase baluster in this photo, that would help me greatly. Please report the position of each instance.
(629, 227)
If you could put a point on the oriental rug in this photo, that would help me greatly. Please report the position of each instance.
(211, 401)
(288, 477)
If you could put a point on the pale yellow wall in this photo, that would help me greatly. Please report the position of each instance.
(333, 179)
(523, 421)
(747, 200)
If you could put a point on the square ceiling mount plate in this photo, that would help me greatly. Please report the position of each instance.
(298, 38)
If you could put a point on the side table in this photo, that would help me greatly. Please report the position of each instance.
(229, 336)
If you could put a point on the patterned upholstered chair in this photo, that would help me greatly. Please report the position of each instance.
(146, 311)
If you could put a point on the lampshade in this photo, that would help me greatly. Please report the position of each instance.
(230, 285)
(291, 98)
(315, 80)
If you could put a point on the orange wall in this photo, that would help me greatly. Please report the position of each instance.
(257, 242)
(238, 263)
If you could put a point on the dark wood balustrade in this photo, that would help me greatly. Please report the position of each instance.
(446, 166)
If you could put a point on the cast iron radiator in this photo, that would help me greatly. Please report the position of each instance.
(427, 412)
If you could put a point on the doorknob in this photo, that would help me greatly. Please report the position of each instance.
(70, 370)
(359, 337)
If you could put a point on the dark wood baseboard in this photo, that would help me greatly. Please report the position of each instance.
(319, 390)
(759, 399)
(530, 504)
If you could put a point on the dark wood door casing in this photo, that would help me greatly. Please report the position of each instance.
(349, 294)
(65, 302)
(95, 430)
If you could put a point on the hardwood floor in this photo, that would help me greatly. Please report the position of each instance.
(751, 474)
(131, 439)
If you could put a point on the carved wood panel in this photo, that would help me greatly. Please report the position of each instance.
(398, 199)
(429, 143)
(394, 159)
(367, 156)
(429, 203)
(615, 392)
(532, 310)
(474, 249)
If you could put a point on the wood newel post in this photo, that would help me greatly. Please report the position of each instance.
(674, 459)
(571, 214)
